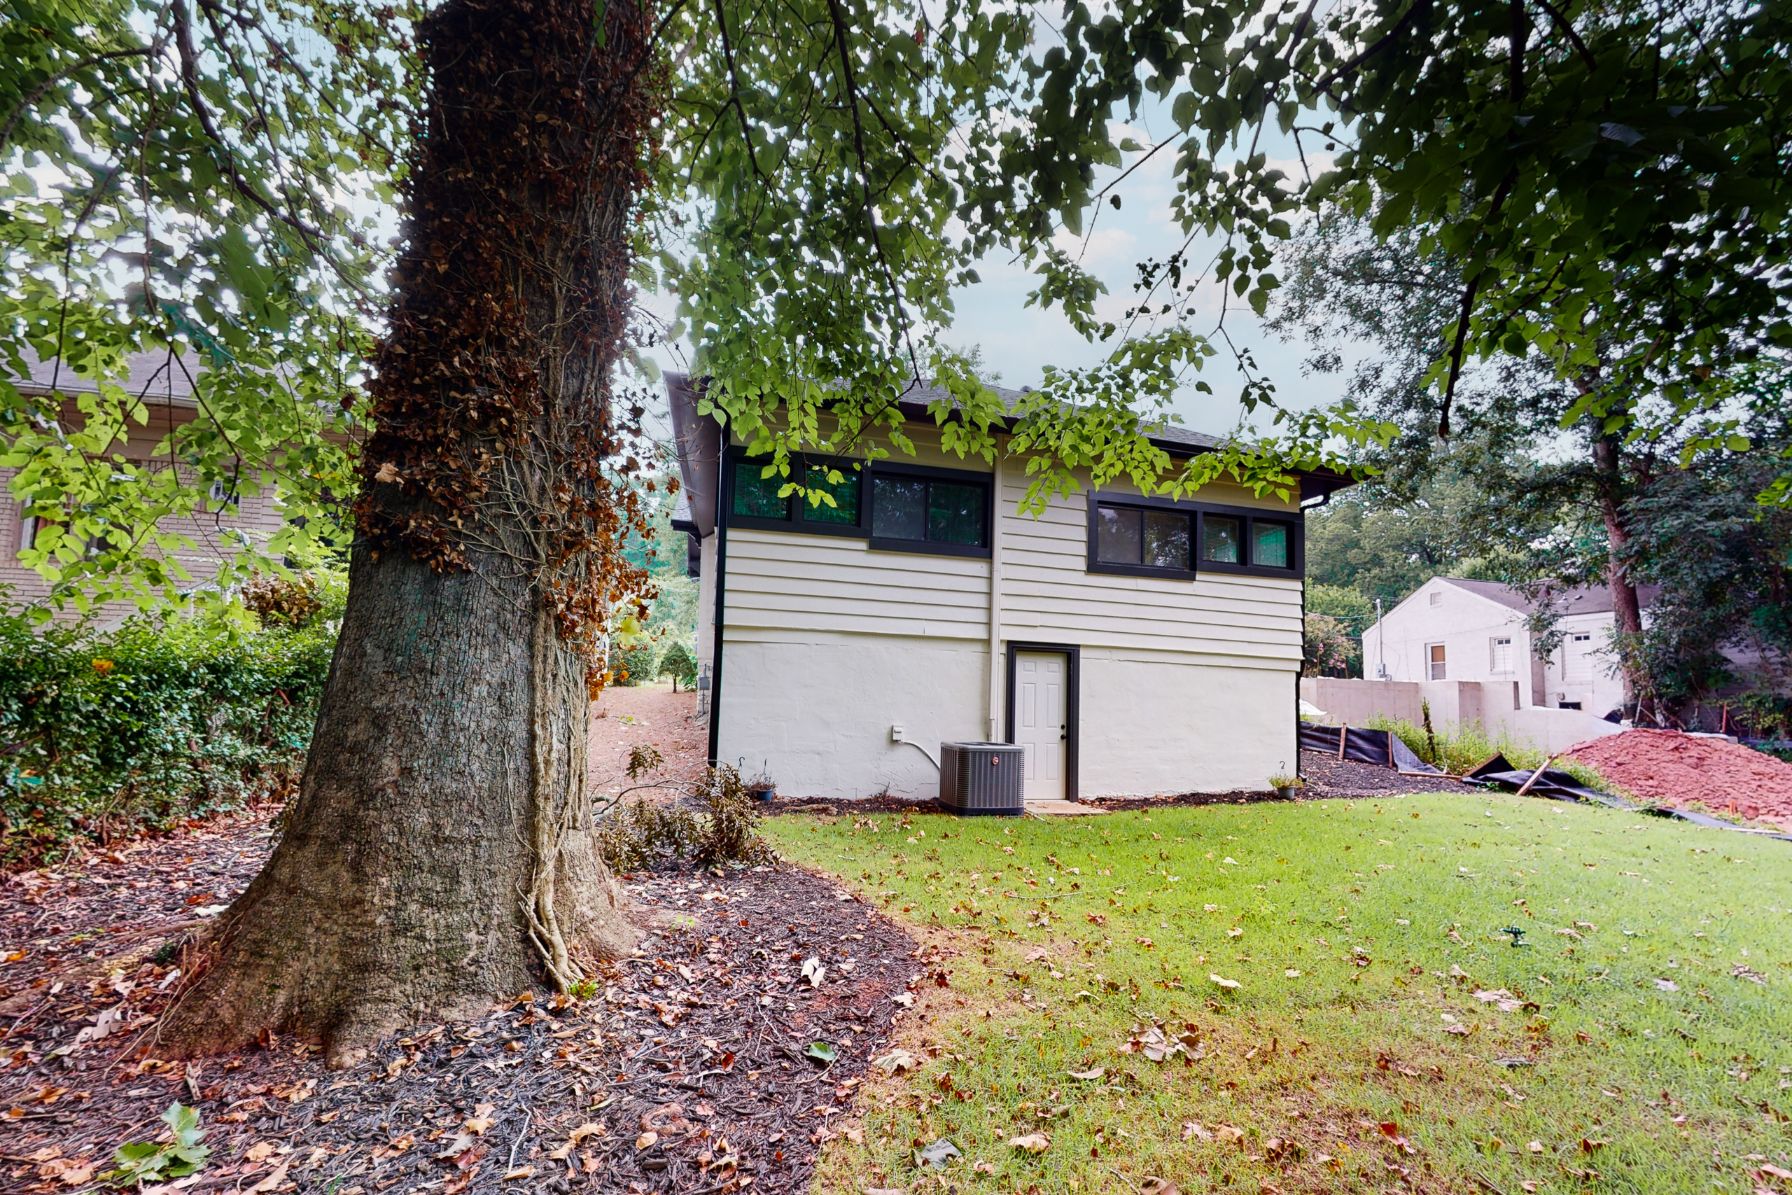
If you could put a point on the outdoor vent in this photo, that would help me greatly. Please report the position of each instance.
(982, 778)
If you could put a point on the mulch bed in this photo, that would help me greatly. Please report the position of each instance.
(1328, 776)
(625, 717)
(700, 1040)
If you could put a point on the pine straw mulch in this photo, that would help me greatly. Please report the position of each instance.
(688, 1070)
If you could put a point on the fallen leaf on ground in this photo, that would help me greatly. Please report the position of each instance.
(897, 1061)
(1033, 1143)
(1222, 981)
(937, 1154)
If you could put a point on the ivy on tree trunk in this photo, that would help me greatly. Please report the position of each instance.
(441, 849)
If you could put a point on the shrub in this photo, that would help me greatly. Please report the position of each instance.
(1328, 649)
(724, 828)
(634, 664)
(104, 733)
(681, 662)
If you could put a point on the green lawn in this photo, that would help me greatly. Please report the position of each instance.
(1645, 1044)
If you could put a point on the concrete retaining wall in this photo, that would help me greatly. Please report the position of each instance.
(1491, 705)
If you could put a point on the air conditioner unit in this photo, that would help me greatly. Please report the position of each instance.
(983, 778)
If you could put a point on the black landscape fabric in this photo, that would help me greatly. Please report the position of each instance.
(1365, 746)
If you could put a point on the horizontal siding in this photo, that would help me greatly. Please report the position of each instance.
(1049, 594)
(786, 585)
(789, 582)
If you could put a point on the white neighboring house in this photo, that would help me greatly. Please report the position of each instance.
(1460, 630)
(1131, 645)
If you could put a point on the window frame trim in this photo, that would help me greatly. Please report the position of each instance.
(1248, 516)
(1094, 562)
(929, 473)
(793, 521)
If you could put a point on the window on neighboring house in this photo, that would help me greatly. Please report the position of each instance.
(1436, 597)
(1582, 638)
(1434, 660)
(224, 494)
(1501, 654)
(930, 511)
(27, 530)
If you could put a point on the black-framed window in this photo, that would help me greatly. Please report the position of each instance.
(915, 509)
(755, 500)
(1154, 537)
(1150, 540)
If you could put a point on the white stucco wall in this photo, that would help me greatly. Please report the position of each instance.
(1466, 624)
(816, 708)
(1163, 723)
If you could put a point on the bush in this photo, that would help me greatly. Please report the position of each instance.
(105, 733)
(681, 662)
(723, 829)
(1327, 649)
(635, 664)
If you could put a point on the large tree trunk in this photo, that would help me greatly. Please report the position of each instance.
(440, 852)
(1627, 609)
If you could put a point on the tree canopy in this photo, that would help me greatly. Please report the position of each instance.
(1607, 180)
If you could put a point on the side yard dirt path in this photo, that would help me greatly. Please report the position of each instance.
(688, 1069)
(646, 715)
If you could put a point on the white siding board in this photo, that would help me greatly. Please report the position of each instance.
(790, 582)
(1048, 593)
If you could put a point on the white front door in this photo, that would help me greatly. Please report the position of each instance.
(1042, 721)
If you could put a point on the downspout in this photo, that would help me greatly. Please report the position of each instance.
(1304, 508)
(995, 602)
(724, 500)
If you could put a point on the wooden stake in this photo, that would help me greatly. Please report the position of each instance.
(1526, 786)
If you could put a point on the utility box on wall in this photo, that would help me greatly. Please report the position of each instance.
(983, 778)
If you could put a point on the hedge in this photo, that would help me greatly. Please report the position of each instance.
(103, 734)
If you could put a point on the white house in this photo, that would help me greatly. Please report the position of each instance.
(1131, 645)
(1455, 629)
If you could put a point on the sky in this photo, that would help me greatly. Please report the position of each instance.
(1018, 341)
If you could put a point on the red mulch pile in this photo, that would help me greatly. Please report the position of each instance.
(701, 1039)
(1684, 770)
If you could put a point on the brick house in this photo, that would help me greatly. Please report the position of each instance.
(167, 391)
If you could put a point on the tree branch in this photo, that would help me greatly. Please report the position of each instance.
(314, 238)
(849, 80)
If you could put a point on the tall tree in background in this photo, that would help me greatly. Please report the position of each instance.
(1539, 463)
(812, 179)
